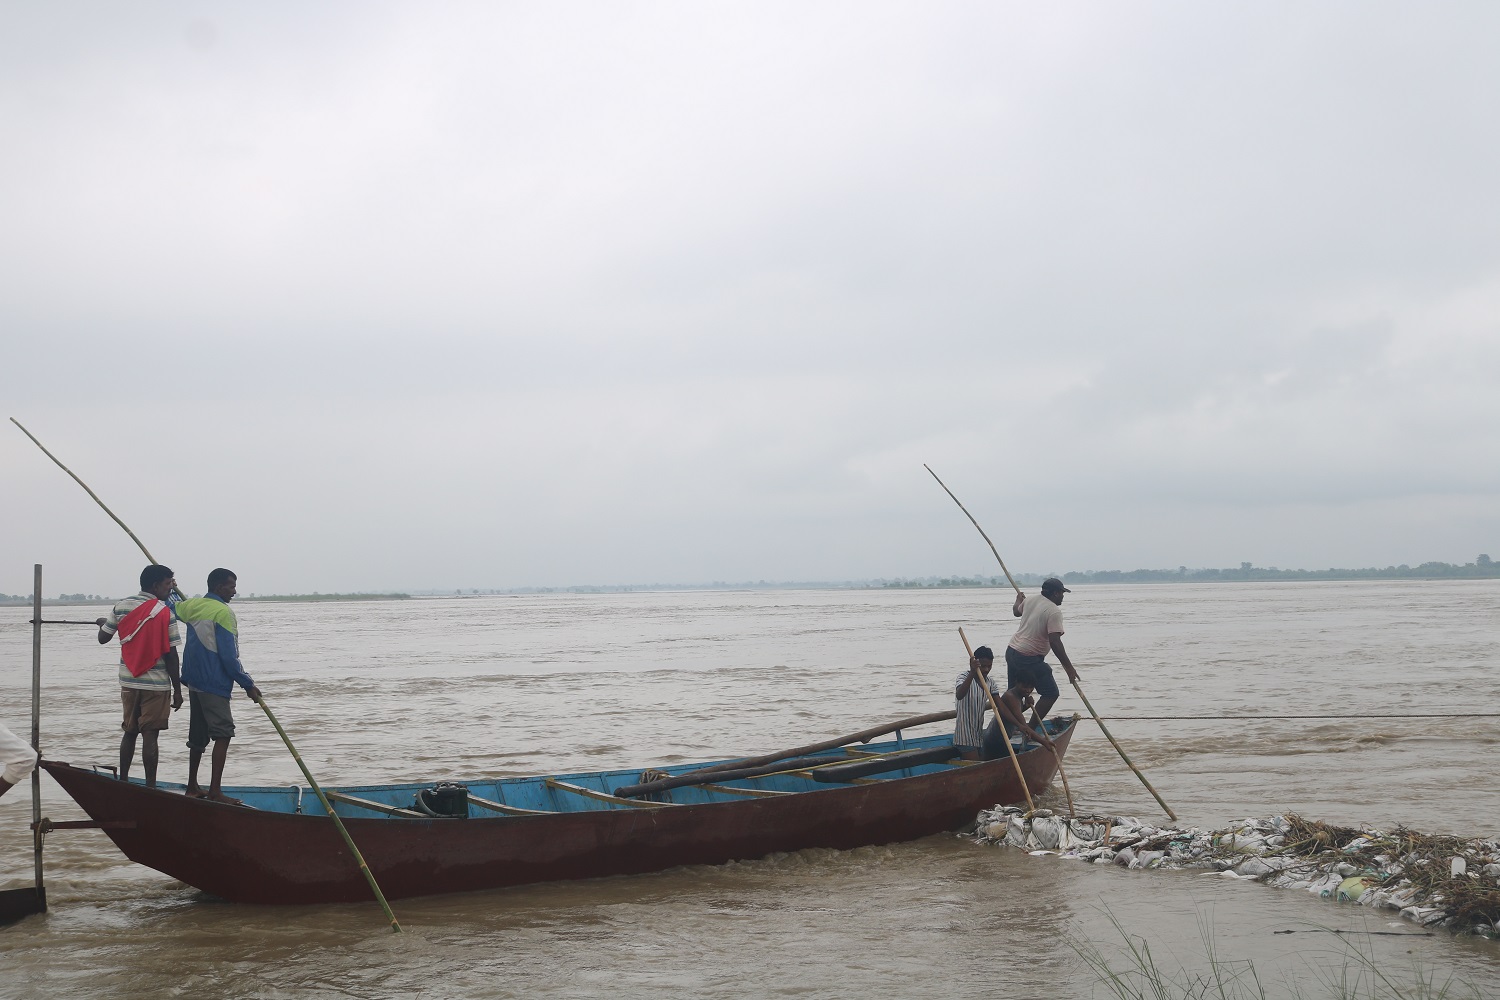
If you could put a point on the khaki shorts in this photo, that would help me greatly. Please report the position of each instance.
(145, 711)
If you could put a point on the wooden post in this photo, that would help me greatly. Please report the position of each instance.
(36, 729)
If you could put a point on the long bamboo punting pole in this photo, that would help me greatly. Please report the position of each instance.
(1067, 792)
(1112, 740)
(58, 462)
(1121, 751)
(296, 756)
(984, 682)
(328, 808)
(955, 500)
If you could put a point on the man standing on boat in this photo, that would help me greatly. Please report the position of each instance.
(210, 669)
(16, 759)
(1041, 630)
(150, 687)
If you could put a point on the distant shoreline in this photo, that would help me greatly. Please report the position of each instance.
(1482, 568)
(9, 600)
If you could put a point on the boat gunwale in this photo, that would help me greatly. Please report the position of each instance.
(928, 770)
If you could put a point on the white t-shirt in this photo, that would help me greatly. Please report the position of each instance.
(1040, 618)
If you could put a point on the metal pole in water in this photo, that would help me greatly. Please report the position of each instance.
(36, 729)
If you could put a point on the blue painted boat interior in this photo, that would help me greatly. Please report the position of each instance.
(535, 792)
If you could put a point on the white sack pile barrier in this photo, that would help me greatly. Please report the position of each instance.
(1430, 880)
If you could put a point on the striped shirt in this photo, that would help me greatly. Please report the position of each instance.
(968, 727)
(156, 678)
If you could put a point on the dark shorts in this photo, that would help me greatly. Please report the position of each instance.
(145, 711)
(994, 743)
(1032, 670)
(209, 719)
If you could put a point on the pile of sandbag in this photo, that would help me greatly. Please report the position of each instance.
(1433, 881)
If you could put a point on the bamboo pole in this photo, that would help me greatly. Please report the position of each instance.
(328, 807)
(860, 737)
(1068, 792)
(80, 482)
(984, 682)
(1121, 751)
(1113, 742)
(36, 731)
(369, 877)
(955, 500)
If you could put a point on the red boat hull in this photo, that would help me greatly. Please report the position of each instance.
(251, 856)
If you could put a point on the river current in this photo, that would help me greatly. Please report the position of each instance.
(456, 687)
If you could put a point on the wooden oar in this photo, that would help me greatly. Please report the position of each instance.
(1095, 714)
(984, 682)
(337, 822)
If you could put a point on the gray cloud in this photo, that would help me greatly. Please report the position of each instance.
(508, 295)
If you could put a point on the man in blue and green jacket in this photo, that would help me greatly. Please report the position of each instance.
(210, 670)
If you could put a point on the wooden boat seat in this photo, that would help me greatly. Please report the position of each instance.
(373, 806)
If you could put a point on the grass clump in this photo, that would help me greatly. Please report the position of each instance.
(1354, 973)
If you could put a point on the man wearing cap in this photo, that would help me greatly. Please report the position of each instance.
(1041, 629)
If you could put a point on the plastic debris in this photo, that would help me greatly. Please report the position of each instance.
(1429, 880)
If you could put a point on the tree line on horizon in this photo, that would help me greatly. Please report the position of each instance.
(1482, 568)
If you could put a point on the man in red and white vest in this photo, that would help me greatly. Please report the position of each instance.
(150, 679)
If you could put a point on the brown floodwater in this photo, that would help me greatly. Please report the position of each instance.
(455, 688)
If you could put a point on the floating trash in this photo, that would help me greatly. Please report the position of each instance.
(1430, 880)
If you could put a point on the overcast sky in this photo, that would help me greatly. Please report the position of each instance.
(374, 296)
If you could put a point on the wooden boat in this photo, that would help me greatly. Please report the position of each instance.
(515, 831)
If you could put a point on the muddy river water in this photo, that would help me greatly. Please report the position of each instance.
(454, 687)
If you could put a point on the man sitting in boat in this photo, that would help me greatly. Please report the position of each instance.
(1041, 630)
(973, 740)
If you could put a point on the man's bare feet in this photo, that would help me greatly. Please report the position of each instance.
(194, 792)
(221, 797)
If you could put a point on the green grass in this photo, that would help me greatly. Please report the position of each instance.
(1132, 972)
